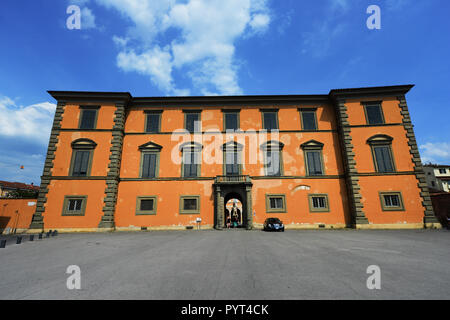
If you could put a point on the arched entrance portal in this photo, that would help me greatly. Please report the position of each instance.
(233, 211)
(225, 190)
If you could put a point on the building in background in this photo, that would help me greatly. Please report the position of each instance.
(438, 177)
(17, 190)
(344, 159)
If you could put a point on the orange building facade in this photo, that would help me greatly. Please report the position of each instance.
(345, 159)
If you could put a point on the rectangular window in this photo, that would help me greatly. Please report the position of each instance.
(374, 114)
(442, 171)
(191, 163)
(80, 164)
(309, 120)
(383, 159)
(146, 205)
(149, 165)
(189, 204)
(231, 120)
(232, 163)
(273, 163)
(314, 163)
(276, 203)
(318, 203)
(74, 205)
(270, 120)
(192, 121)
(88, 118)
(153, 123)
(391, 201)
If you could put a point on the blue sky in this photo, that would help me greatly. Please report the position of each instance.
(200, 47)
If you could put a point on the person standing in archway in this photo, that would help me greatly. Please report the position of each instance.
(234, 215)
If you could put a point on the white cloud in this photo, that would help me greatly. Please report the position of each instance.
(435, 152)
(204, 43)
(32, 122)
(87, 19)
(87, 16)
(260, 22)
(156, 63)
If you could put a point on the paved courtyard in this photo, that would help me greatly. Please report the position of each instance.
(415, 264)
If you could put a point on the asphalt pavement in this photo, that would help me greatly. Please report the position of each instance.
(229, 265)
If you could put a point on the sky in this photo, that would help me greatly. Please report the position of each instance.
(215, 47)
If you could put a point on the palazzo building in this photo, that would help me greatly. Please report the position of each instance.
(344, 159)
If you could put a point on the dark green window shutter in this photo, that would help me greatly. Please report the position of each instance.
(231, 163)
(190, 164)
(88, 119)
(273, 163)
(149, 165)
(231, 121)
(309, 120)
(191, 119)
(81, 163)
(374, 115)
(152, 123)
(314, 163)
(383, 159)
(270, 121)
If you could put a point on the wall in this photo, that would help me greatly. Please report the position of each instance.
(16, 214)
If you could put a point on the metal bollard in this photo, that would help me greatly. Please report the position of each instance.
(2, 243)
(31, 237)
(19, 240)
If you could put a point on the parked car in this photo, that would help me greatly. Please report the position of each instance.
(273, 224)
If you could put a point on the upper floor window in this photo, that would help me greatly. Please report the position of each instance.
(270, 119)
(382, 153)
(192, 122)
(88, 117)
(232, 158)
(273, 162)
(374, 113)
(150, 160)
(191, 159)
(82, 153)
(152, 121)
(313, 157)
(308, 118)
(442, 171)
(231, 120)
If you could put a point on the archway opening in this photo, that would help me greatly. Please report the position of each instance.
(234, 211)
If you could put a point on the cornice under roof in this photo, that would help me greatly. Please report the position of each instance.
(128, 99)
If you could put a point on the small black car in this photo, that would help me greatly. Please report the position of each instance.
(273, 224)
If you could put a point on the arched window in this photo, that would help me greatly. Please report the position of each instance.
(273, 161)
(191, 159)
(382, 153)
(149, 160)
(232, 158)
(82, 154)
(313, 157)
